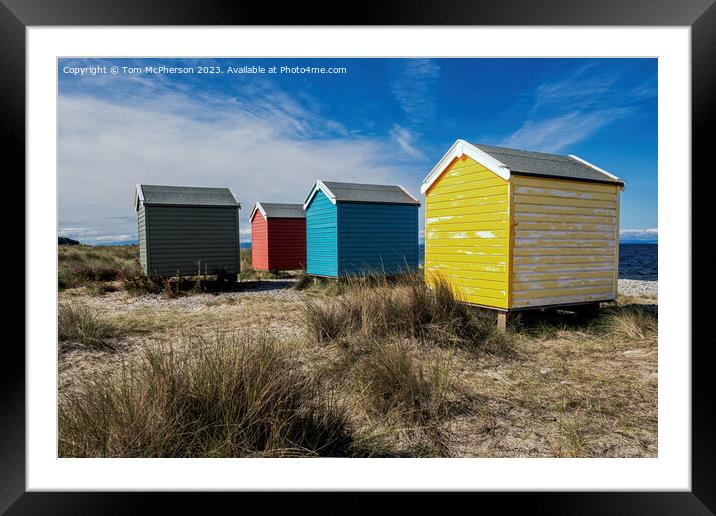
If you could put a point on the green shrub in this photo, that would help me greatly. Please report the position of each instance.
(135, 281)
(172, 287)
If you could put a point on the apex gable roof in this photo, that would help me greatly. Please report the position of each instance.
(278, 210)
(358, 192)
(154, 195)
(504, 162)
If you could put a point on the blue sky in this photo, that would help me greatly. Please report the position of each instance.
(269, 135)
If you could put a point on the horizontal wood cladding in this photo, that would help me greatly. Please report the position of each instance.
(523, 242)
(286, 244)
(142, 235)
(350, 238)
(563, 299)
(322, 236)
(278, 243)
(562, 184)
(467, 233)
(565, 238)
(187, 240)
(259, 243)
(377, 238)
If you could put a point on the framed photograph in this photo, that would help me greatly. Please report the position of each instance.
(391, 256)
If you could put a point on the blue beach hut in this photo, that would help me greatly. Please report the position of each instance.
(356, 229)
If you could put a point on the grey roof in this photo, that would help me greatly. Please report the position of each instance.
(274, 209)
(356, 192)
(543, 164)
(185, 195)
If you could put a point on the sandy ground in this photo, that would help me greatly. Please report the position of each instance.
(279, 289)
(275, 289)
(562, 394)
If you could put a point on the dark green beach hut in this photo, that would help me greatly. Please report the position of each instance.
(186, 230)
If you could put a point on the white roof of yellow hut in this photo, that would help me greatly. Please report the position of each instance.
(504, 162)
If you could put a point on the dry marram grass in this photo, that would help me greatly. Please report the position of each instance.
(238, 396)
(362, 367)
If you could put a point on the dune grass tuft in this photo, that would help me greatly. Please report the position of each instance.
(84, 325)
(240, 395)
(303, 281)
(632, 321)
(377, 307)
(398, 383)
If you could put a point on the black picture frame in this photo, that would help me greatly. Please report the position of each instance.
(700, 15)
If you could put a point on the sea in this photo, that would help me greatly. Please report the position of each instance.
(637, 261)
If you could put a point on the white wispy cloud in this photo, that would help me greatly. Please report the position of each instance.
(405, 139)
(560, 132)
(115, 238)
(564, 112)
(413, 89)
(583, 88)
(100, 230)
(271, 150)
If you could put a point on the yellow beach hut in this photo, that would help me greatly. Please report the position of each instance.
(510, 229)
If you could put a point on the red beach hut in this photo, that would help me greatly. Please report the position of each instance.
(278, 236)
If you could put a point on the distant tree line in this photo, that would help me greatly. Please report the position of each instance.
(67, 241)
